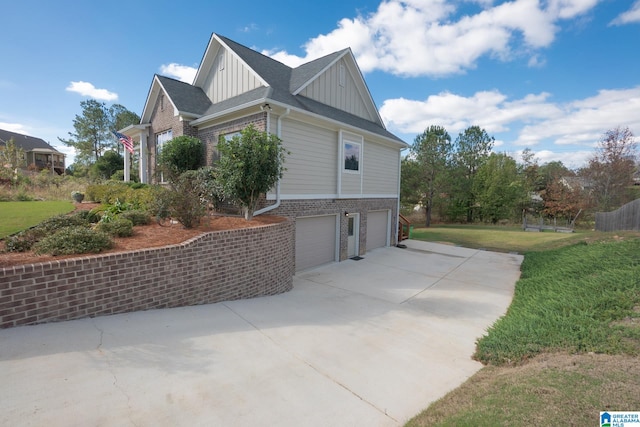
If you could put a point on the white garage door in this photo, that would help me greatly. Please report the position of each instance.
(315, 241)
(377, 226)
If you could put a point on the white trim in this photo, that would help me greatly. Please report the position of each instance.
(272, 196)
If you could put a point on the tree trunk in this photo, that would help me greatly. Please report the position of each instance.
(428, 215)
(248, 213)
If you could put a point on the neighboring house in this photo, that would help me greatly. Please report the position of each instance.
(341, 182)
(39, 154)
(576, 183)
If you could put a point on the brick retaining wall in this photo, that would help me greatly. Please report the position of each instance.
(213, 267)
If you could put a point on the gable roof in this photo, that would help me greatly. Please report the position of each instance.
(186, 99)
(26, 142)
(281, 85)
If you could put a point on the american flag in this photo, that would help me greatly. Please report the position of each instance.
(126, 141)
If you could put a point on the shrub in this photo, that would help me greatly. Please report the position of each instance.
(22, 241)
(181, 154)
(73, 240)
(91, 216)
(118, 227)
(137, 217)
(25, 240)
(139, 195)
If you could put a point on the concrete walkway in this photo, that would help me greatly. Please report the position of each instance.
(359, 343)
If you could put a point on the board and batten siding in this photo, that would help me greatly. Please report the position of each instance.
(326, 88)
(380, 167)
(311, 164)
(232, 80)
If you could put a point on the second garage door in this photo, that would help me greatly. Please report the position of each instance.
(377, 229)
(315, 241)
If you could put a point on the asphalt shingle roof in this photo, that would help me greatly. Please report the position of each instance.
(282, 81)
(26, 142)
(187, 98)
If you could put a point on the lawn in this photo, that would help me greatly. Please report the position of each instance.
(569, 344)
(17, 216)
(506, 239)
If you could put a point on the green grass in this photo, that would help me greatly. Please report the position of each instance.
(566, 299)
(569, 344)
(507, 239)
(17, 216)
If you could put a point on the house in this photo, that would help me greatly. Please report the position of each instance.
(39, 154)
(341, 182)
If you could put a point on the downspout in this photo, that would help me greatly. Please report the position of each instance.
(396, 226)
(279, 135)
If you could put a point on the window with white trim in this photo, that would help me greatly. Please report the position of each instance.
(161, 139)
(352, 156)
(342, 78)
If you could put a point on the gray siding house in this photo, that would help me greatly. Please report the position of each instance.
(343, 174)
(39, 154)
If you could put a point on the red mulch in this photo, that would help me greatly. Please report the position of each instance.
(147, 236)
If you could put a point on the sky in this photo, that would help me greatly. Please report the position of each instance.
(552, 76)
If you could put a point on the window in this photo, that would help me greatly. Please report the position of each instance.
(161, 139)
(221, 62)
(341, 76)
(352, 151)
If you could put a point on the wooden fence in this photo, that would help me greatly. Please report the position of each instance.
(625, 218)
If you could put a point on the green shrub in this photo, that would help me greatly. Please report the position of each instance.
(25, 240)
(138, 195)
(136, 216)
(118, 227)
(73, 240)
(91, 216)
(181, 154)
(22, 241)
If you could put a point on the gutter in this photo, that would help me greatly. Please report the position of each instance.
(279, 135)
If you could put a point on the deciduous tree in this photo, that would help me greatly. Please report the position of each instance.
(611, 169)
(250, 164)
(498, 188)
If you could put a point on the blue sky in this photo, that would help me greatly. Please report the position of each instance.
(550, 75)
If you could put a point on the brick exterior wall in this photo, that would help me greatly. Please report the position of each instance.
(210, 136)
(213, 267)
(299, 208)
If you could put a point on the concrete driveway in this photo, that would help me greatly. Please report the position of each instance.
(359, 343)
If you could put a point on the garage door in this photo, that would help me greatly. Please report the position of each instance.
(315, 241)
(377, 226)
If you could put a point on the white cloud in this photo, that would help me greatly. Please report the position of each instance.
(584, 121)
(630, 16)
(184, 73)
(490, 110)
(14, 127)
(87, 89)
(532, 120)
(426, 37)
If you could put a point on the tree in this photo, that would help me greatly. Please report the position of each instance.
(499, 188)
(432, 150)
(410, 184)
(12, 158)
(110, 162)
(120, 118)
(611, 169)
(93, 129)
(471, 150)
(181, 154)
(250, 164)
(562, 200)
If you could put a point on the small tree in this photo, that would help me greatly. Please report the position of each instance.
(12, 158)
(181, 154)
(250, 164)
(107, 165)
